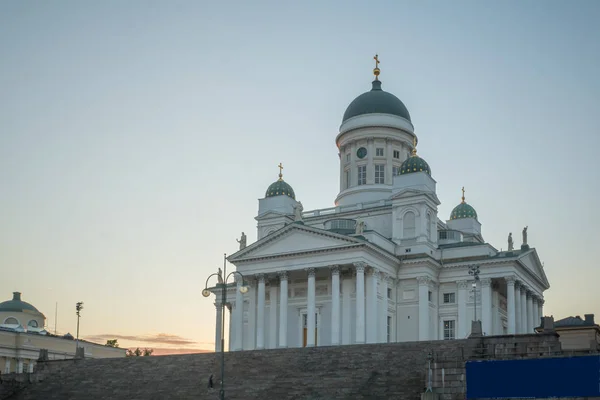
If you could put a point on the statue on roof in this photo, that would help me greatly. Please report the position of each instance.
(242, 241)
(298, 212)
(510, 242)
(220, 275)
(360, 227)
(525, 236)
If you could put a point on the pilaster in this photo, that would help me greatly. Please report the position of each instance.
(424, 307)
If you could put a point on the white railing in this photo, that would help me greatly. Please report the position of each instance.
(341, 209)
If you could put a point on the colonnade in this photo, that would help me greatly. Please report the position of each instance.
(18, 365)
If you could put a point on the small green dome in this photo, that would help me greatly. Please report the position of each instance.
(463, 210)
(414, 163)
(376, 101)
(16, 305)
(280, 188)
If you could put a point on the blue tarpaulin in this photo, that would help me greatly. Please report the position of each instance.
(534, 378)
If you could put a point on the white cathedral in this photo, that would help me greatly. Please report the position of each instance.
(380, 266)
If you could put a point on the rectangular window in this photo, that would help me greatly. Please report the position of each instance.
(347, 178)
(389, 328)
(347, 157)
(389, 293)
(379, 152)
(449, 298)
(397, 154)
(449, 330)
(395, 171)
(379, 173)
(362, 174)
(429, 296)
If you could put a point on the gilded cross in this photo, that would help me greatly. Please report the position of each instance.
(376, 60)
(280, 167)
(463, 196)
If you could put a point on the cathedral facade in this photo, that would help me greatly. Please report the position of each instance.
(382, 265)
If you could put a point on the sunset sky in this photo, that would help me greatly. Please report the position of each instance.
(136, 137)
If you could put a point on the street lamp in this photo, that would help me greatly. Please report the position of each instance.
(474, 271)
(78, 307)
(222, 283)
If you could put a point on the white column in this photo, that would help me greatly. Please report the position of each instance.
(31, 362)
(19, 366)
(518, 307)
(249, 343)
(360, 303)
(389, 178)
(529, 312)
(283, 308)
(524, 309)
(383, 307)
(7, 366)
(496, 322)
(260, 313)
(540, 309)
(372, 315)
(535, 309)
(273, 315)
(486, 306)
(310, 309)
(346, 310)
(342, 163)
(463, 318)
(510, 305)
(218, 323)
(239, 317)
(335, 305)
(423, 307)
(370, 163)
(353, 166)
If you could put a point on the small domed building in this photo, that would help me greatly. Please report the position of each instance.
(23, 334)
(380, 265)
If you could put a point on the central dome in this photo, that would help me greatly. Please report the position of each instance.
(17, 305)
(376, 101)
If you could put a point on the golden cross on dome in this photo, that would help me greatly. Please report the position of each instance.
(376, 70)
(414, 150)
(280, 169)
(463, 196)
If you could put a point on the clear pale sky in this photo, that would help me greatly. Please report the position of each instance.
(137, 136)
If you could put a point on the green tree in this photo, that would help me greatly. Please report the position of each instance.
(112, 343)
(139, 352)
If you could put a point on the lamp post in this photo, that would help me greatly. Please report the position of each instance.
(78, 308)
(222, 283)
(474, 270)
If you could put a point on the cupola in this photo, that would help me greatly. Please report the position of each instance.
(414, 163)
(463, 210)
(280, 187)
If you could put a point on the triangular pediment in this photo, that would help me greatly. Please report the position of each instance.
(292, 239)
(273, 214)
(531, 261)
(409, 193)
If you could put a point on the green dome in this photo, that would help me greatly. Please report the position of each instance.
(16, 305)
(376, 101)
(463, 210)
(414, 163)
(280, 188)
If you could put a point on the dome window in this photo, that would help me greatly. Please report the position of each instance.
(11, 321)
(33, 324)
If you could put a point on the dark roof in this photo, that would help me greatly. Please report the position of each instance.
(576, 321)
(376, 101)
(17, 305)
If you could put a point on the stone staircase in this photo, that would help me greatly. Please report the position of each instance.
(377, 371)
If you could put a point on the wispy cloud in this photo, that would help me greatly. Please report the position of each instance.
(160, 338)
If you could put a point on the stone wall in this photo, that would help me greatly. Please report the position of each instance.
(376, 371)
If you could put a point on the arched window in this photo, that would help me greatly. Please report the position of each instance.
(428, 227)
(33, 323)
(409, 225)
(11, 321)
